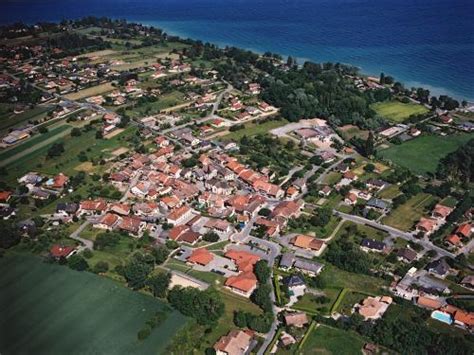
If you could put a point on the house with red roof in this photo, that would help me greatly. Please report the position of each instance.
(108, 221)
(89, 207)
(59, 181)
(131, 225)
(59, 251)
(180, 215)
(243, 284)
(5, 196)
(453, 239)
(441, 212)
(426, 226)
(200, 256)
(464, 230)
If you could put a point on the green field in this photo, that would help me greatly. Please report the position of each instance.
(8, 119)
(252, 129)
(50, 309)
(421, 155)
(405, 216)
(397, 111)
(68, 161)
(328, 340)
(33, 141)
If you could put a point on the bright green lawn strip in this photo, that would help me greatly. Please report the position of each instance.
(332, 277)
(44, 301)
(422, 155)
(307, 335)
(339, 299)
(274, 340)
(397, 111)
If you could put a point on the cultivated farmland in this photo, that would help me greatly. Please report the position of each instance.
(50, 309)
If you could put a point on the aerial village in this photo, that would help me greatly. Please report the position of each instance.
(128, 147)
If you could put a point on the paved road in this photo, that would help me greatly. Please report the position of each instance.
(395, 232)
(89, 244)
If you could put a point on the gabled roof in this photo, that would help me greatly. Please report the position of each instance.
(245, 281)
(201, 256)
(372, 244)
(464, 230)
(244, 260)
(59, 251)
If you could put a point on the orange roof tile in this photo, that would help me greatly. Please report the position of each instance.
(201, 256)
(245, 281)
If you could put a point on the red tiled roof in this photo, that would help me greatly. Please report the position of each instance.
(130, 224)
(176, 231)
(244, 281)
(59, 251)
(5, 195)
(201, 256)
(244, 260)
(109, 219)
(59, 181)
(453, 239)
(464, 230)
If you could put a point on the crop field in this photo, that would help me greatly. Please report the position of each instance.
(66, 163)
(422, 155)
(397, 111)
(50, 309)
(405, 216)
(328, 340)
(92, 91)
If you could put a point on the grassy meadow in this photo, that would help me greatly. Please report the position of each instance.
(397, 111)
(422, 155)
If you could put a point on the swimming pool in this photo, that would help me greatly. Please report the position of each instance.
(442, 317)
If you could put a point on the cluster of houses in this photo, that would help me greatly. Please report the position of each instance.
(426, 226)
(38, 186)
(239, 111)
(427, 289)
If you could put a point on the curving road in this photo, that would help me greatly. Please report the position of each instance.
(395, 232)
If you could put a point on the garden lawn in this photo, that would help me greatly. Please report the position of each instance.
(51, 309)
(397, 111)
(332, 277)
(328, 340)
(390, 192)
(252, 129)
(405, 216)
(422, 155)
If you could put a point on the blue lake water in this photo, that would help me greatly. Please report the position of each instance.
(420, 42)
